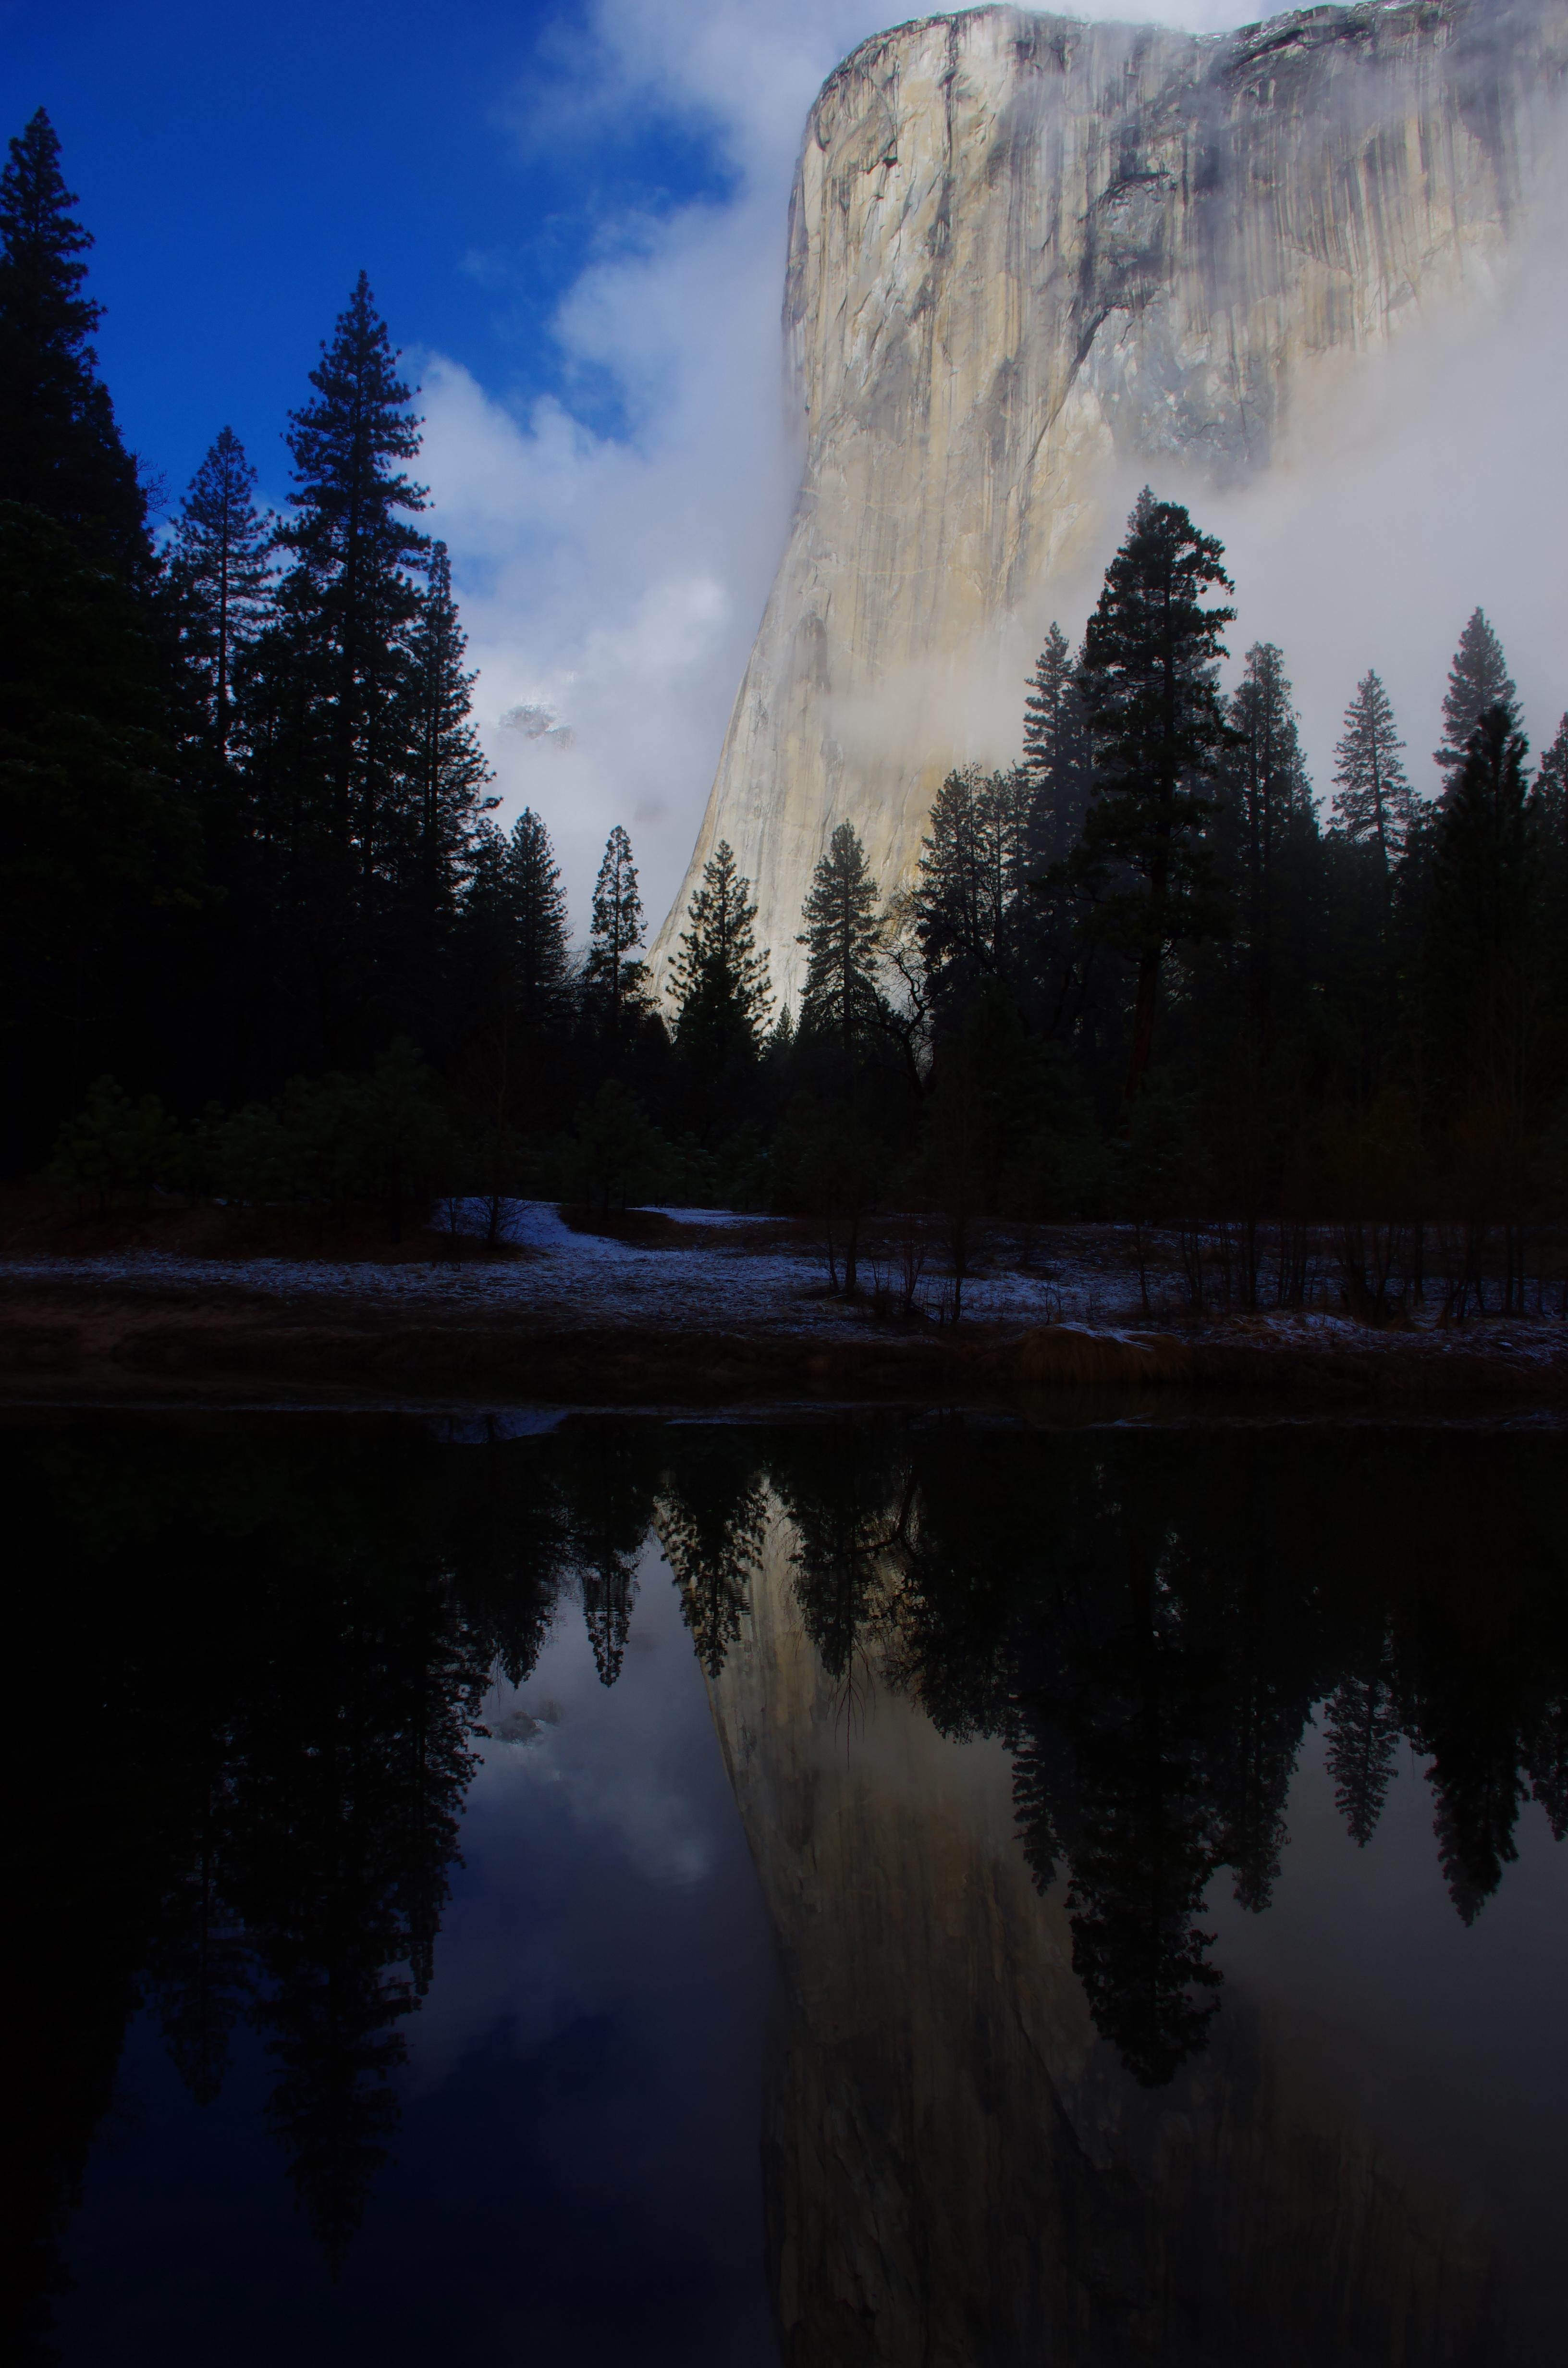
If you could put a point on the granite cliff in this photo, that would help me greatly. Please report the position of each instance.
(1023, 251)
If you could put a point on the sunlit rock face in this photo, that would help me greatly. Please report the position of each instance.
(1022, 247)
(957, 2170)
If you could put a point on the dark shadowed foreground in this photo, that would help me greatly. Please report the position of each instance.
(838, 1890)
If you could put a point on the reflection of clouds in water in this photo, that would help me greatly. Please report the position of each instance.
(600, 1764)
(583, 1793)
(614, 1754)
(603, 1975)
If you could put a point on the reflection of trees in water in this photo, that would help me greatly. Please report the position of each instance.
(1147, 1622)
(1363, 1731)
(270, 1646)
(710, 1516)
(247, 1660)
(608, 1524)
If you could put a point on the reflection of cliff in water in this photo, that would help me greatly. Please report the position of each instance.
(960, 2165)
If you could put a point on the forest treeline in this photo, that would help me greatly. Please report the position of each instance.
(252, 1834)
(264, 936)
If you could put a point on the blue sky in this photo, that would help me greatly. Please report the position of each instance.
(239, 165)
(572, 213)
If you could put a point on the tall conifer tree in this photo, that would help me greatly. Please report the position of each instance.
(349, 602)
(1056, 751)
(222, 574)
(536, 909)
(971, 907)
(1478, 679)
(1372, 804)
(718, 978)
(1157, 729)
(613, 973)
(842, 939)
(60, 450)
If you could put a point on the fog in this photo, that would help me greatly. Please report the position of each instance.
(611, 586)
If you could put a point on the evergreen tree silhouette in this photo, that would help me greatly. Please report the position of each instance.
(710, 1517)
(352, 1765)
(1363, 1732)
(536, 915)
(1477, 1808)
(613, 976)
(972, 908)
(1373, 805)
(608, 1519)
(1056, 752)
(221, 569)
(1478, 679)
(329, 709)
(842, 939)
(848, 1511)
(1157, 731)
(60, 450)
(718, 978)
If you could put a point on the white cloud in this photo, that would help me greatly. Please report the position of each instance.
(618, 582)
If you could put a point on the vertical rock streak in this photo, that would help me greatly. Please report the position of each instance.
(1021, 247)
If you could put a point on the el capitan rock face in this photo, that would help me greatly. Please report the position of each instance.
(1022, 248)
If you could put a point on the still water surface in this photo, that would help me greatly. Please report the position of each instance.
(894, 1891)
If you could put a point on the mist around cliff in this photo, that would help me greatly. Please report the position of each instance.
(612, 585)
(1413, 483)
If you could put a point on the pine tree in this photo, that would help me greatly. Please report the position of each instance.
(349, 603)
(612, 974)
(719, 980)
(221, 571)
(842, 939)
(1373, 805)
(447, 772)
(1056, 751)
(1157, 731)
(536, 912)
(59, 449)
(970, 905)
(1478, 679)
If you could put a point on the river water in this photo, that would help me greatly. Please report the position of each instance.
(888, 1889)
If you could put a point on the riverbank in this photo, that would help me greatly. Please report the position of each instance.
(700, 1308)
(111, 1340)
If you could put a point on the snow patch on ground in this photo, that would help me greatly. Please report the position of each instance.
(1082, 1277)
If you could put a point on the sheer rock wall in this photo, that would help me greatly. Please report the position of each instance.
(1021, 247)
